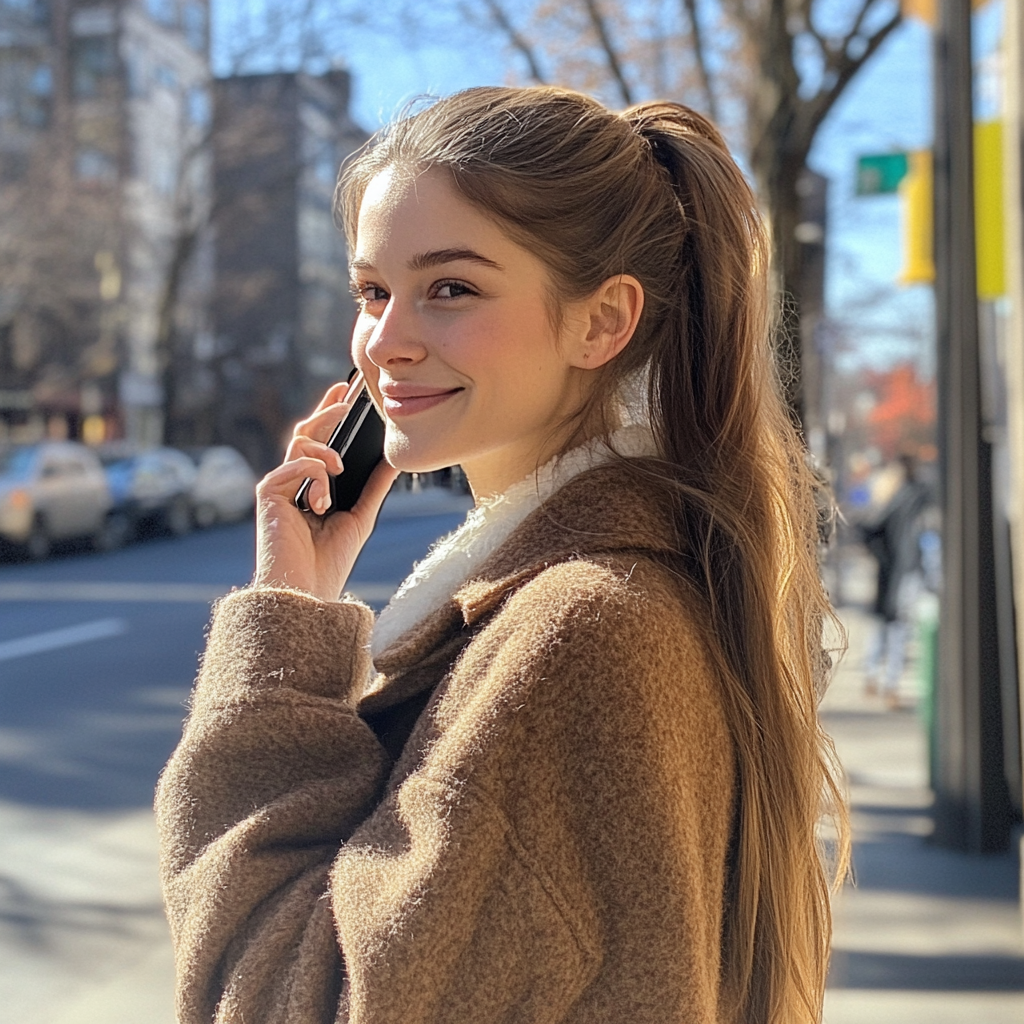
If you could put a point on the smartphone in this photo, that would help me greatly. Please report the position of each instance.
(359, 440)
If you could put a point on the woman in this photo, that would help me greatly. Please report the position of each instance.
(585, 781)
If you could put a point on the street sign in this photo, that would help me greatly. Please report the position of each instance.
(880, 174)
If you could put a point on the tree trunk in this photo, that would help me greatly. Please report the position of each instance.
(784, 202)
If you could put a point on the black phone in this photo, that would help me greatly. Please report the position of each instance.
(359, 440)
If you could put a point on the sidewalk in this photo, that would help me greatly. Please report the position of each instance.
(927, 936)
(83, 939)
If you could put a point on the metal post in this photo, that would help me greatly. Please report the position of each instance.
(1013, 201)
(972, 809)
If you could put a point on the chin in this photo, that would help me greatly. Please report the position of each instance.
(409, 457)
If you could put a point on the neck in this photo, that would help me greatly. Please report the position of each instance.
(492, 474)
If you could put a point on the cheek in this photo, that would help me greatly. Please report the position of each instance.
(357, 353)
(357, 346)
(507, 350)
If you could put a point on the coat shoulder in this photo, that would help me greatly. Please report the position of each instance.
(622, 619)
(633, 593)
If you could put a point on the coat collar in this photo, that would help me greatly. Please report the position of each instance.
(600, 512)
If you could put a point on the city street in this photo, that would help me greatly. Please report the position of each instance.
(97, 657)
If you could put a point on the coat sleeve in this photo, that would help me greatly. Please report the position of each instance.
(273, 772)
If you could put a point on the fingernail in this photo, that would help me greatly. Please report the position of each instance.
(322, 503)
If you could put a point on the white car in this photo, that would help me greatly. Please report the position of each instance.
(54, 491)
(224, 489)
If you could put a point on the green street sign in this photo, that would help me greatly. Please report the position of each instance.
(880, 174)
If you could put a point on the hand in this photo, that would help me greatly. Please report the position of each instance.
(303, 551)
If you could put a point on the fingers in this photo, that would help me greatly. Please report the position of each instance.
(331, 411)
(328, 463)
(321, 424)
(336, 394)
(282, 484)
(301, 446)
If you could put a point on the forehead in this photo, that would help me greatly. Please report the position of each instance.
(406, 211)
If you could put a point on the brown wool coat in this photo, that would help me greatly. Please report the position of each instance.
(524, 817)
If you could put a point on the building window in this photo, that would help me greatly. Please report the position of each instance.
(325, 162)
(163, 170)
(193, 20)
(166, 77)
(26, 89)
(13, 166)
(95, 165)
(135, 70)
(93, 60)
(163, 11)
(34, 106)
(199, 107)
(35, 11)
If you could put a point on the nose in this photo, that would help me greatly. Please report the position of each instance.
(393, 341)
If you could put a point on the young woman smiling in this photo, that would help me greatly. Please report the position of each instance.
(573, 772)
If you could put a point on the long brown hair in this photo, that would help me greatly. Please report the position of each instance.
(653, 192)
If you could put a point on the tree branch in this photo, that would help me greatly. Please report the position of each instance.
(601, 29)
(844, 67)
(700, 54)
(858, 22)
(516, 40)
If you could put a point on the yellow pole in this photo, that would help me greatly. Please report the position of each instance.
(989, 209)
(916, 193)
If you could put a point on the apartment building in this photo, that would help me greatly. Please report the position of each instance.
(282, 313)
(105, 188)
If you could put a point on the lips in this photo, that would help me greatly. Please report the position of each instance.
(400, 399)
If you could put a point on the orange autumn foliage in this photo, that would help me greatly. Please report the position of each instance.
(903, 418)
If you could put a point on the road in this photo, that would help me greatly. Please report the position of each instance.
(97, 656)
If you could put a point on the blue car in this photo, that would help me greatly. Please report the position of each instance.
(151, 488)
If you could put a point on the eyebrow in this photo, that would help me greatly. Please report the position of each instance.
(435, 258)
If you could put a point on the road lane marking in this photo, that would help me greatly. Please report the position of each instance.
(53, 639)
(201, 593)
(96, 591)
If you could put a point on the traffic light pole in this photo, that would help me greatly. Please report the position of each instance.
(972, 807)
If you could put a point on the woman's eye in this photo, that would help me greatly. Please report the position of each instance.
(452, 290)
(367, 293)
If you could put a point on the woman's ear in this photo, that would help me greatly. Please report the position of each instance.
(609, 316)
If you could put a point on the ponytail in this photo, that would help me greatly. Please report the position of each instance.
(748, 530)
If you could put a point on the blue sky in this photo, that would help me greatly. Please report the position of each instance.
(888, 107)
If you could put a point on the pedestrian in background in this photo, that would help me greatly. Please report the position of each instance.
(585, 783)
(893, 538)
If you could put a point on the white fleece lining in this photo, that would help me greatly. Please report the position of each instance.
(453, 559)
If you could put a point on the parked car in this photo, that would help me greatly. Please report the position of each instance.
(224, 489)
(54, 491)
(151, 488)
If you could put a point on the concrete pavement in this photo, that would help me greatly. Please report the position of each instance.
(82, 931)
(926, 936)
